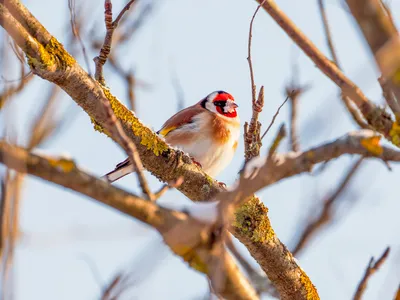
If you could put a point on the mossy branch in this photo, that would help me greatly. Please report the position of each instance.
(194, 248)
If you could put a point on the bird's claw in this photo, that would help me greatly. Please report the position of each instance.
(221, 184)
(195, 162)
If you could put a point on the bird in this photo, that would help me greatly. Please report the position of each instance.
(207, 131)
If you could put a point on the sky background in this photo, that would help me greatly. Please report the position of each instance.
(205, 44)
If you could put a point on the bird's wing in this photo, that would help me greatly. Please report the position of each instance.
(180, 119)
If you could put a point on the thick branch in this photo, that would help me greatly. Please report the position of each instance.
(281, 166)
(168, 222)
(384, 41)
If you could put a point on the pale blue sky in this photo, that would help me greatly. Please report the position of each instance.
(206, 43)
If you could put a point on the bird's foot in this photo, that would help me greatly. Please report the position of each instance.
(195, 162)
(221, 184)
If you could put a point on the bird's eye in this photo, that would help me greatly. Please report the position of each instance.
(219, 103)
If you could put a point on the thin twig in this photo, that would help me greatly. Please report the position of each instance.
(371, 269)
(75, 31)
(252, 140)
(166, 187)
(253, 85)
(277, 140)
(113, 125)
(294, 97)
(129, 78)
(124, 10)
(325, 215)
(106, 48)
(179, 92)
(328, 34)
(25, 77)
(346, 100)
(274, 117)
(293, 92)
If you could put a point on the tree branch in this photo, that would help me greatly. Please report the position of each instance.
(375, 116)
(110, 27)
(194, 248)
(346, 100)
(371, 269)
(325, 216)
(252, 139)
(384, 41)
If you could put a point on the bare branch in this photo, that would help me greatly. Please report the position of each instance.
(110, 27)
(346, 100)
(253, 85)
(25, 77)
(274, 117)
(114, 127)
(129, 78)
(372, 267)
(375, 116)
(384, 41)
(169, 223)
(75, 31)
(166, 187)
(293, 92)
(252, 140)
(317, 223)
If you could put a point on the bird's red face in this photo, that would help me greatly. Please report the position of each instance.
(222, 103)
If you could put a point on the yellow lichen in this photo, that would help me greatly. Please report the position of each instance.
(59, 54)
(51, 54)
(190, 256)
(147, 137)
(65, 165)
(395, 132)
(311, 290)
(310, 154)
(372, 144)
(251, 219)
(396, 77)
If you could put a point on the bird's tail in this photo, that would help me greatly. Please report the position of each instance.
(122, 169)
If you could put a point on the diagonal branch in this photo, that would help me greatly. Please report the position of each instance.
(172, 225)
(325, 216)
(384, 41)
(373, 266)
(375, 116)
(346, 100)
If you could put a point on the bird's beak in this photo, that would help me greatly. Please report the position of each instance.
(232, 104)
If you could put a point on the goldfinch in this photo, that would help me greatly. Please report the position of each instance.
(208, 131)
